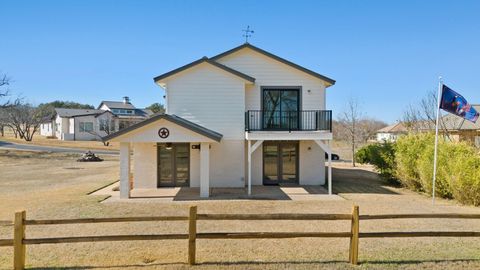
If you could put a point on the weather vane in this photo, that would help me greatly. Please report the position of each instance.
(248, 33)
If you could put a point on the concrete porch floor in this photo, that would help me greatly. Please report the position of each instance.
(193, 194)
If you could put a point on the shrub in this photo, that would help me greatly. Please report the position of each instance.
(409, 148)
(458, 167)
(381, 156)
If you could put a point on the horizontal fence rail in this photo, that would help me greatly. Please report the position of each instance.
(274, 217)
(306, 120)
(20, 241)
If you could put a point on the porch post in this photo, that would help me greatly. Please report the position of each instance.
(124, 170)
(251, 149)
(204, 169)
(328, 149)
(249, 167)
(329, 168)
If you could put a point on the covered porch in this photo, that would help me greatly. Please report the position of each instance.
(322, 139)
(164, 151)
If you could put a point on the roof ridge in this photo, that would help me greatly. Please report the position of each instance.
(275, 57)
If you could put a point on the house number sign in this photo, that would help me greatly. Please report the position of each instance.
(163, 132)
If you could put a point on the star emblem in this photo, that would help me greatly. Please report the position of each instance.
(163, 132)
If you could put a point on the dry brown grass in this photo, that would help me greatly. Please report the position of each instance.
(55, 186)
(44, 141)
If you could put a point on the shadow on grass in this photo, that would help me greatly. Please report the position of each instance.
(344, 264)
(357, 180)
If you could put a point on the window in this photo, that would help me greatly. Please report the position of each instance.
(103, 124)
(86, 126)
(122, 111)
(280, 108)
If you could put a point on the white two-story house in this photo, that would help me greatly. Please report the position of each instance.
(242, 118)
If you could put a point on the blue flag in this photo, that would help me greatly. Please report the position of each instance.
(455, 103)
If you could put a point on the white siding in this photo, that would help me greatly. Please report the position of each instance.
(269, 72)
(46, 129)
(210, 97)
(144, 165)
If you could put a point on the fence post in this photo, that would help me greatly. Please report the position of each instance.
(354, 238)
(18, 236)
(192, 234)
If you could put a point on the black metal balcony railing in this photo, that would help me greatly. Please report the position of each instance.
(310, 120)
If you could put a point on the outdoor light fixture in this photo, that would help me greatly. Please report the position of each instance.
(169, 146)
(195, 146)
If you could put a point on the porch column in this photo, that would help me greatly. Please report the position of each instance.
(326, 147)
(204, 170)
(251, 149)
(124, 170)
(329, 168)
(249, 161)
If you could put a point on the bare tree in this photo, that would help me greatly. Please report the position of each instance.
(106, 126)
(4, 91)
(24, 119)
(423, 116)
(349, 120)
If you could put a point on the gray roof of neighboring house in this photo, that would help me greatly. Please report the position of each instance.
(117, 105)
(172, 118)
(454, 122)
(77, 112)
(204, 60)
(395, 128)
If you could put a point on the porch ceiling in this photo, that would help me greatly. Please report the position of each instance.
(288, 136)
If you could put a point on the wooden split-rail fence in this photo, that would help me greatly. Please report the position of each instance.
(20, 241)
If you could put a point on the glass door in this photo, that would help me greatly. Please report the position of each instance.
(173, 165)
(165, 166)
(288, 161)
(280, 162)
(281, 108)
(270, 164)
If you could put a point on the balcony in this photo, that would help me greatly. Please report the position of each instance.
(309, 120)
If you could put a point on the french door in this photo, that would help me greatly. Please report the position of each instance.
(173, 161)
(281, 108)
(280, 162)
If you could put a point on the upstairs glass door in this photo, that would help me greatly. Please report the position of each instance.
(281, 109)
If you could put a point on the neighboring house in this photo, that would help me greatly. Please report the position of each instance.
(125, 111)
(391, 133)
(91, 124)
(46, 129)
(82, 124)
(241, 118)
(460, 129)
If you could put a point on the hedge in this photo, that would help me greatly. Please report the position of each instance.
(458, 166)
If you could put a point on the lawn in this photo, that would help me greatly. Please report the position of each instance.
(55, 186)
(44, 141)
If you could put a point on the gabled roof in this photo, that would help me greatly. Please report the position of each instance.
(200, 61)
(454, 122)
(273, 56)
(117, 105)
(172, 118)
(395, 128)
(77, 112)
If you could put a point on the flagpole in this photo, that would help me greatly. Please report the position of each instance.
(440, 84)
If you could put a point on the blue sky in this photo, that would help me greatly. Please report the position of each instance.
(387, 54)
